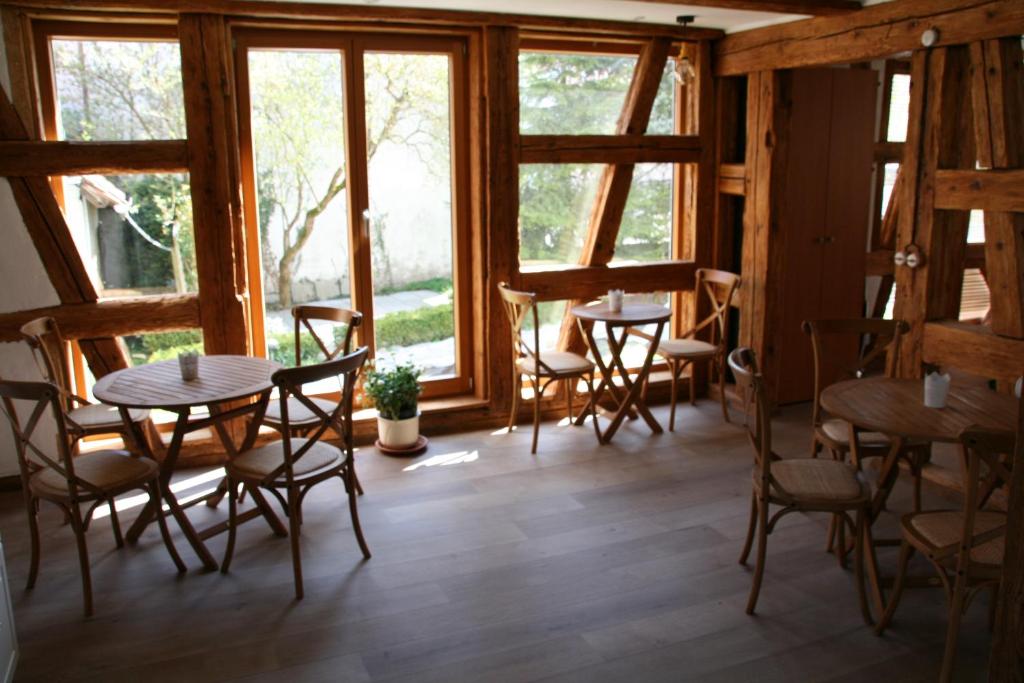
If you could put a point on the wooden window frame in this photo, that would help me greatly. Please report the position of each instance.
(352, 45)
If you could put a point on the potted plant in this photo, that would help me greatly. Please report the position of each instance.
(394, 393)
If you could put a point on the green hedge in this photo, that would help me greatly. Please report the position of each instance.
(405, 328)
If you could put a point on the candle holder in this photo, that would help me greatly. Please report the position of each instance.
(615, 297)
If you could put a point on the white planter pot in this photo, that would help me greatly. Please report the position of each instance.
(398, 433)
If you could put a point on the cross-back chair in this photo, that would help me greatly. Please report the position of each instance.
(81, 417)
(795, 485)
(304, 316)
(878, 342)
(294, 464)
(719, 286)
(965, 546)
(90, 479)
(543, 367)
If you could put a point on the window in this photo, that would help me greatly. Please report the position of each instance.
(555, 203)
(351, 156)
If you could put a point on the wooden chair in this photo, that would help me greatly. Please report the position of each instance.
(301, 418)
(795, 485)
(68, 482)
(542, 367)
(877, 340)
(295, 464)
(81, 417)
(965, 546)
(720, 286)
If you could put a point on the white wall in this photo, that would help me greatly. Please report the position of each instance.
(23, 285)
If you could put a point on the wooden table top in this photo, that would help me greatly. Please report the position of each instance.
(159, 385)
(631, 314)
(896, 407)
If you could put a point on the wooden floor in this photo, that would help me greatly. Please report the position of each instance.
(582, 563)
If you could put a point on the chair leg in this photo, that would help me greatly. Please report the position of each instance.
(593, 406)
(33, 527)
(751, 528)
(915, 473)
(356, 526)
(956, 612)
(229, 549)
(517, 392)
(115, 524)
(693, 385)
(721, 388)
(161, 520)
(841, 537)
(830, 546)
(858, 566)
(906, 551)
(537, 393)
(83, 557)
(293, 532)
(674, 369)
(569, 388)
(762, 549)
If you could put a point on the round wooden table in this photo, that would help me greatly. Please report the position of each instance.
(895, 407)
(630, 316)
(222, 380)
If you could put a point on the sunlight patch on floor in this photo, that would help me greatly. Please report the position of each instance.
(454, 458)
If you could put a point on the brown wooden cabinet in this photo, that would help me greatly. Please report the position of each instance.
(810, 138)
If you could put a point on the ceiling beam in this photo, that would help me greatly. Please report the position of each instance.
(815, 8)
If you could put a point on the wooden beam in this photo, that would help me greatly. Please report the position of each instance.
(874, 32)
(111, 318)
(608, 149)
(879, 262)
(590, 282)
(33, 158)
(975, 349)
(216, 191)
(17, 33)
(888, 152)
(997, 93)
(501, 97)
(938, 136)
(967, 189)
(811, 7)
(729, 154)
(363, 14)
(1006, 662)
(732, 179)
(613, 188)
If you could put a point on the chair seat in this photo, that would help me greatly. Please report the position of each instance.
(839, 432)
(815, 480)
(687, 348)
(99, 415)
(943, 528)
(259, 462)
(560, 362)
(298, 414)
(111, 471)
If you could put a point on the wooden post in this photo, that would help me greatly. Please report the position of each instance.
(216, 191)
(613, 188)
(938, 136)
(501, 90)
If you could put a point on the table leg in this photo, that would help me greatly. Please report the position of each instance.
(606, 375)
(634, 386)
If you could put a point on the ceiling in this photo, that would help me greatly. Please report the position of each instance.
(618, 10)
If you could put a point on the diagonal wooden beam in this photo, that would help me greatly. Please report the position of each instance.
(997, 93)
(613, 190)
(52, 239)
(812, 7)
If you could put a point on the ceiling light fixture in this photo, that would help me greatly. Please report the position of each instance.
(684, 72)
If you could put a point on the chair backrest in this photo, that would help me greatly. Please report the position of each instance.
(290, 381)
(720, 287)
(50, 352)
(42, 398)
(518, 307)
(995, 450)
(876, 339)
(750, 383)
(305, 314)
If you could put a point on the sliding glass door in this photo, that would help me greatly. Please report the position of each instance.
(351, 156)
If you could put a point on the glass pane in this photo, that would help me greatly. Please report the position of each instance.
(899, 108)
(572, 94)
(663, 120)
(888, 180)
(555, 201)
(150, 348)
(133, 232)
(646, 232)
(118, 90)
(976, 227)
(298, 135)
(409, 156)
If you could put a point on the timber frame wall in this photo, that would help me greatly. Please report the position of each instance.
(211, 154)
